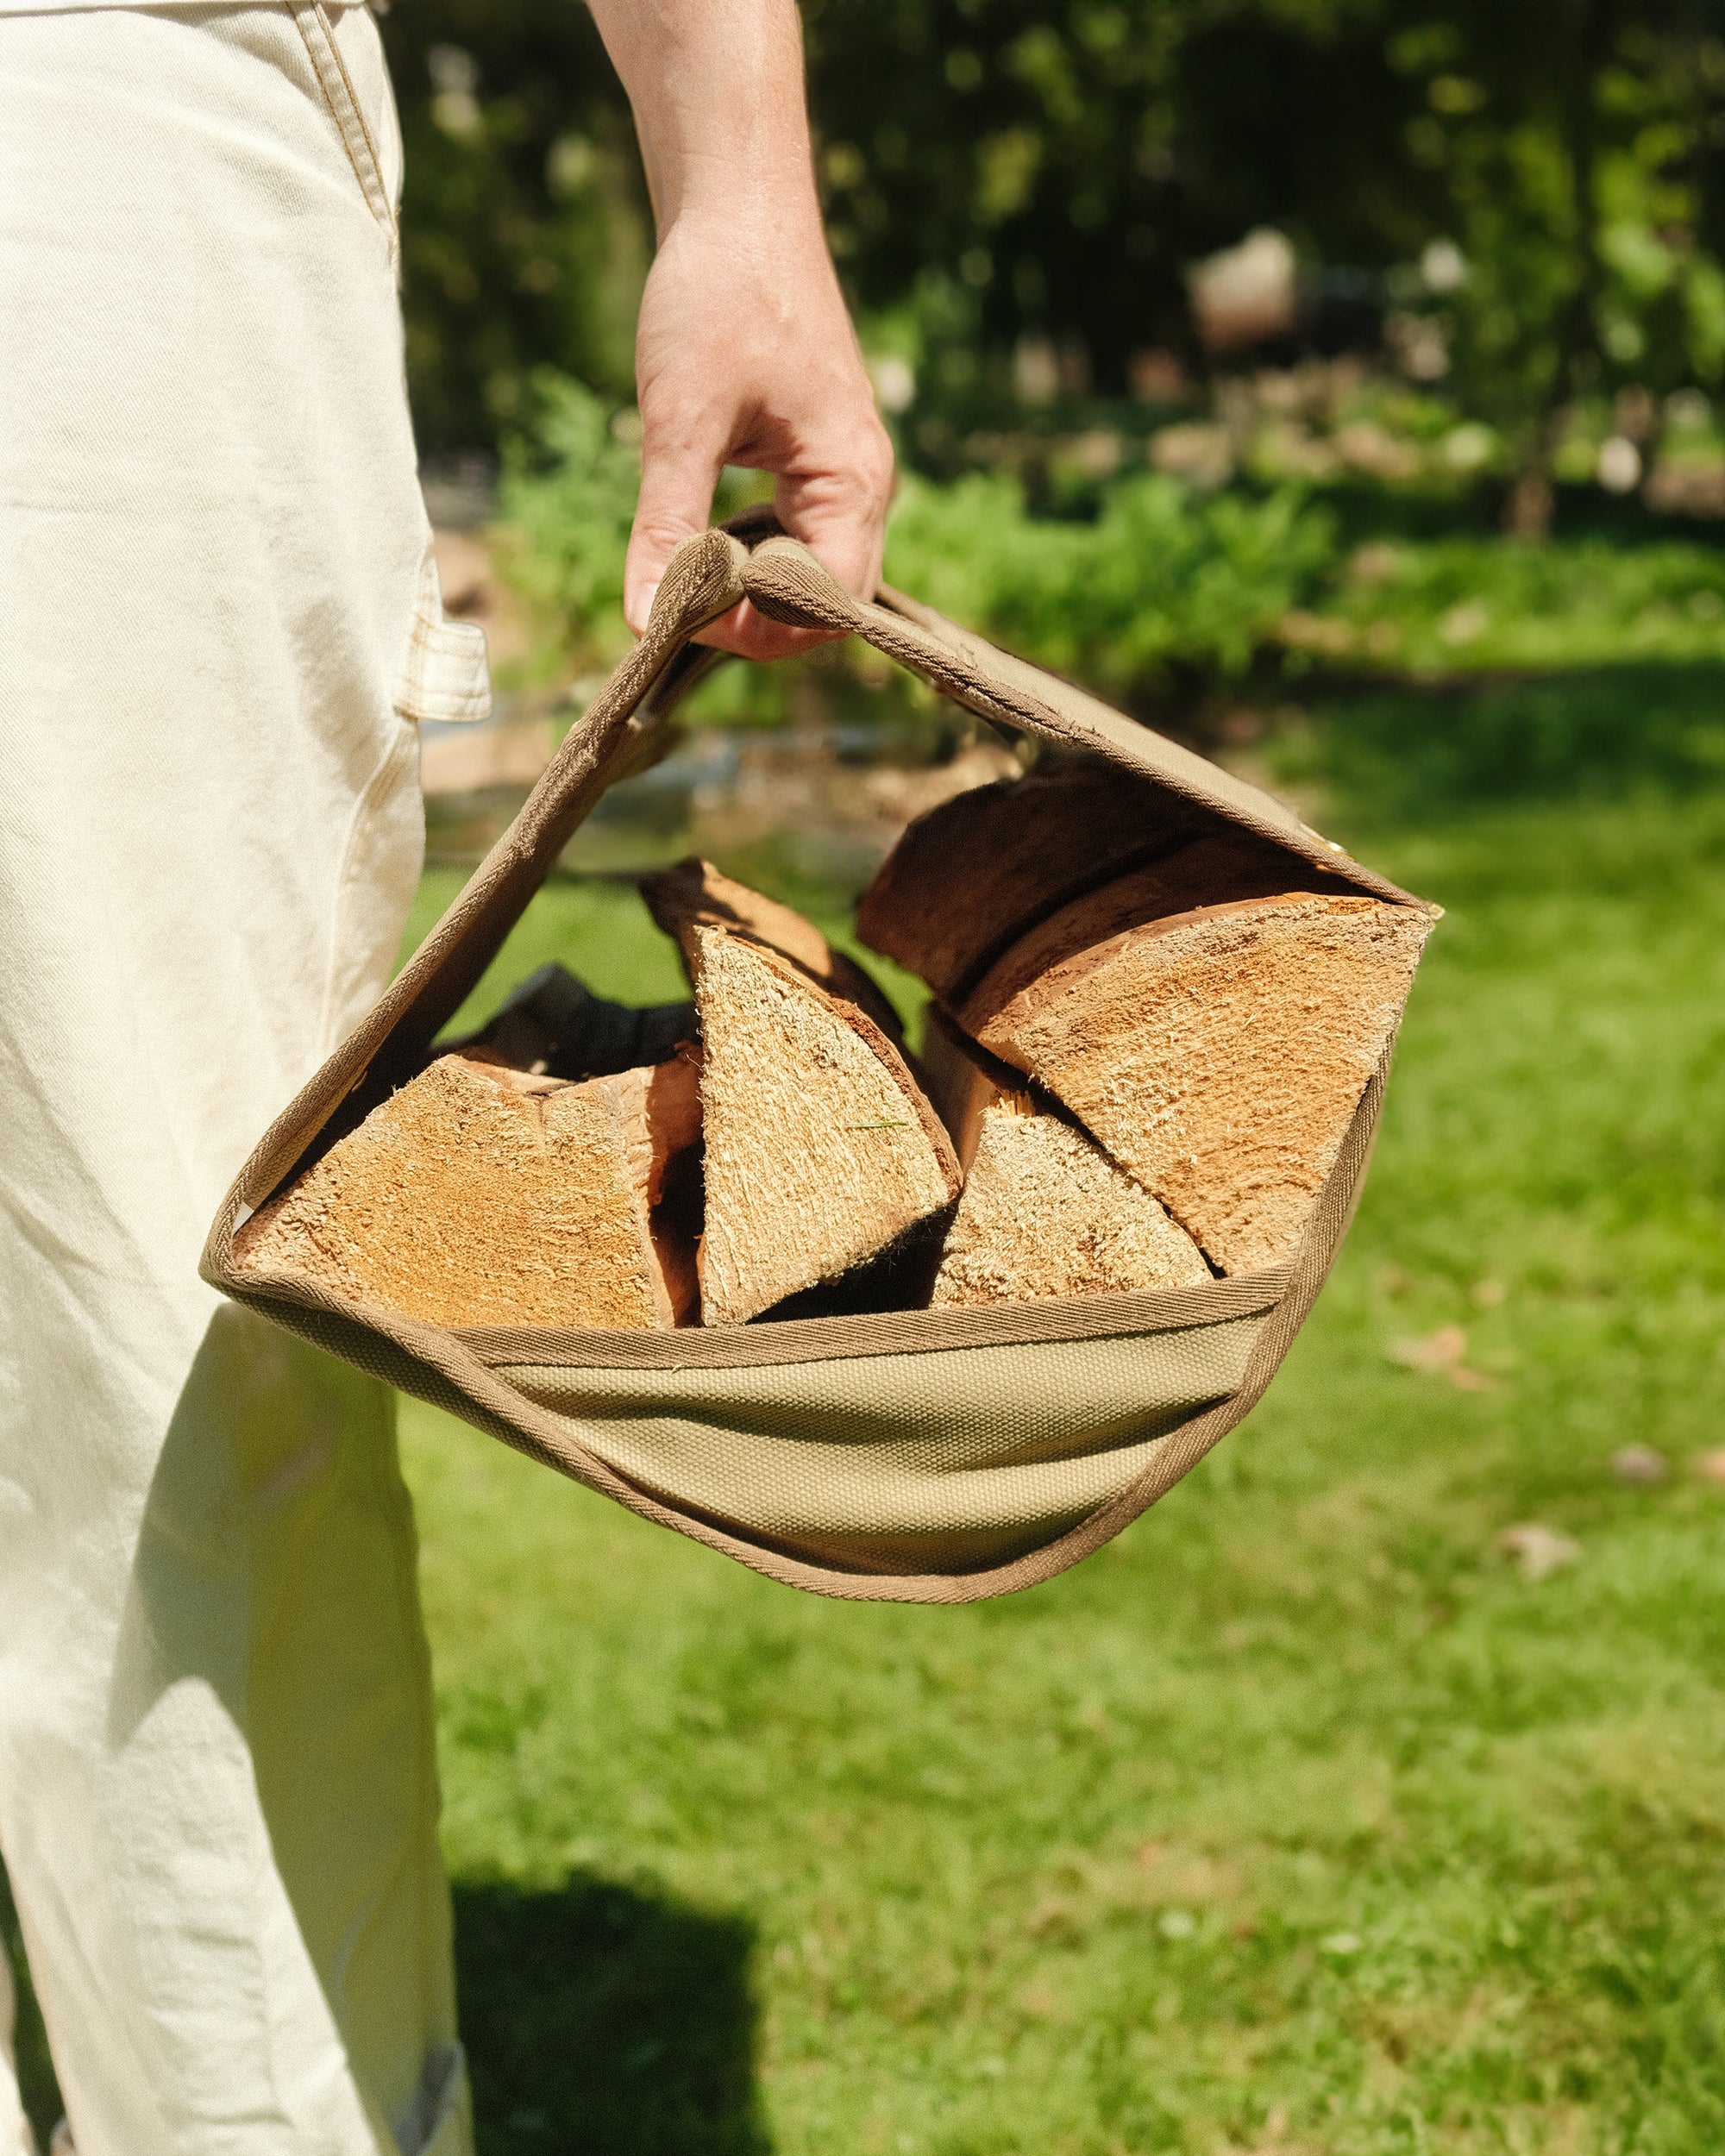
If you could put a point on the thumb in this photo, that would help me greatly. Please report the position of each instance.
(677, 483)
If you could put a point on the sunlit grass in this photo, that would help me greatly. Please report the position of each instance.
(1297, 1819)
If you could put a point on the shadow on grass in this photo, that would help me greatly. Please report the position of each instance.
(1599, 734)
(37, 2081)
(599, 2021)
(602, 2020)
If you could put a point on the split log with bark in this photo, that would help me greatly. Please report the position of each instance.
(480, 1194)
(1044, 1211)
(1217, 1045)
(822, 1153)
(970, 877)
(1210, 1012)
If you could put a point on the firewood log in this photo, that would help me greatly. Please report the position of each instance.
(1218, 1054)
(695, 895)
(479, 1194)
(970, 877)
(1044, 1210)
(821, 1152)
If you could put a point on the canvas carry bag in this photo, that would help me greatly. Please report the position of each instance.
(937, 1455)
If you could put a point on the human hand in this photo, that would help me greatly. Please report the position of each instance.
(744, 353)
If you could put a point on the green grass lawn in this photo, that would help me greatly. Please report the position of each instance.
(1300, 1818)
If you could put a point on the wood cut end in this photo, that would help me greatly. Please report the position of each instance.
(695, 895)
(1217, 1055)
(821, 1150)
(480, 1194)
(1044, 1211)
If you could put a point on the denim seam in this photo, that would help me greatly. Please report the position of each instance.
(343, 104)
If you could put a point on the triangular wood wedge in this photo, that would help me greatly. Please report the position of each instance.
(821, 1152)
(694, 895)
(1044, 1210)
(481, 1195)
(1220, 1053)
(968, 879)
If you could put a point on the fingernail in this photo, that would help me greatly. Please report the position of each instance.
(651, 594)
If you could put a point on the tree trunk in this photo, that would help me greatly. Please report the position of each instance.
(1528, 505)
(1528, 508)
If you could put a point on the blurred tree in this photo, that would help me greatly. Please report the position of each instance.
(1005, 169)
(1051, 171)
(1574, 149)
(528, 233)
(1532, 188)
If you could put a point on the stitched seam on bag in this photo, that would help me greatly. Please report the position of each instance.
(1057, 1318)
(344, 105)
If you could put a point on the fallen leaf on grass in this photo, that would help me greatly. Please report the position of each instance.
(1639, 1463)
(1539, 1551)
(1441, 1353)
(1710, 1466)
(1275, 2141)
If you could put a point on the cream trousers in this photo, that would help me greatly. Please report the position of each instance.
(217, 1788)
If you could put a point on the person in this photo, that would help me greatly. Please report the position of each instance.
(217, 1791)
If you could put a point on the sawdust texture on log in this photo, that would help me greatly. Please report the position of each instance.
(694, 895)
(970, 876)
(480, 1194)
(1044, 1211)
(1217, 1055)
(821, 1152)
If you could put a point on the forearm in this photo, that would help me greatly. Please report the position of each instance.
(717, 88)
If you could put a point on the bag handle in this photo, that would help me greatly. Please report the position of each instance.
(751, 558)
(702, 580)
(785, 581)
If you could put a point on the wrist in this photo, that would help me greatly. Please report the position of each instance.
(741, 206)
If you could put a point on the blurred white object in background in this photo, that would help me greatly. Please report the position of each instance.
(1246, 293)
(1443, 267)
(1618, 467)
(895, 380)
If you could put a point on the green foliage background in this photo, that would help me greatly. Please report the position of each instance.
(999, 169)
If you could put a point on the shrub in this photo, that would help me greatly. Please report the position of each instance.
(566, 500)
(1161, 579)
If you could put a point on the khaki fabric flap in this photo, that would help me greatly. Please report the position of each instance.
(943, 1461)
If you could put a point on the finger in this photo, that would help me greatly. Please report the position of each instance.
(840, 512)
(753, 634)
(675, 501)
(840, 516)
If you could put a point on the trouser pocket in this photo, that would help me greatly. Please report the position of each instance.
(360, 135)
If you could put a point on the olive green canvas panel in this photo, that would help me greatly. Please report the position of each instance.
(939, 1463)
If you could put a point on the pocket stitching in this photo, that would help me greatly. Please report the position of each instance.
(342, 104)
